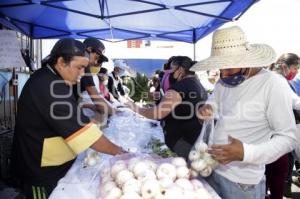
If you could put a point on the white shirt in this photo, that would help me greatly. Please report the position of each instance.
(253, 112)
(87, 99)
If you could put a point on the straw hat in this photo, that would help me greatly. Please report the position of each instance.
(230, 49)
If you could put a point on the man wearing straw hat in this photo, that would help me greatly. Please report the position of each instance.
(255, 122)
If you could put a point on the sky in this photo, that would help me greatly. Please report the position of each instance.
(273, 22)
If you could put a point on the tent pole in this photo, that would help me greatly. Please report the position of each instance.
(194, 43)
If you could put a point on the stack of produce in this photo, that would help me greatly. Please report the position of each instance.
(146, 178)
(201, 162)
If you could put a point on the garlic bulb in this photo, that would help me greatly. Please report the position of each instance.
(198, 165)
(179, 162)
(182, 172)
(185, 184)
(132, 185)
(117, 167)
(123, 176)
(150, 188)
(166, 170)
(201, 147)
(194, 155)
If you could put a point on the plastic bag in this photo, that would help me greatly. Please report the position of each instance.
(138, 176)
(202, 162)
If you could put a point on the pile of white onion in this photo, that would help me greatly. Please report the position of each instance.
(201, 162)
(140, 178)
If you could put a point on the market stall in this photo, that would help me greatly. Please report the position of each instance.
(127, 129)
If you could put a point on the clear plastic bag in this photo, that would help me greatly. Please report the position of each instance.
(138, 176)
(202, 162)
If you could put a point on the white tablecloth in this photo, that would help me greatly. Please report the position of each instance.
(126, 129)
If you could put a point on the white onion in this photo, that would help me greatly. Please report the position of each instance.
(123, 176)
(182, 172)
(194, 155)
(115, 193)
(166, 170)
(132, 185)
(198, 165)
(145, 175)
(179, 162)
(150, 188)
(201, 146)
(185, 184)
(117, 167)
(139, 168)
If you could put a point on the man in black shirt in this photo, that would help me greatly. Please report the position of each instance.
(50, 131)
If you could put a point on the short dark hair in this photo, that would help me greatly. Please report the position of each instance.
(167, 65)
(66, 48)
(289, 59)
(185, 62)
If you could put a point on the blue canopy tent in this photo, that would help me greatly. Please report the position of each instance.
(180, 20)
(118, 20)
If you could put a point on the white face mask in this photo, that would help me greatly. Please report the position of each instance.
(105, 82)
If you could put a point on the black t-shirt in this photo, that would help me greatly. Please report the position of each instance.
(85, 81)
(182, 122)
(50, 130)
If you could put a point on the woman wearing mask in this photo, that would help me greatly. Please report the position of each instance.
(279, 173)
(177, 107)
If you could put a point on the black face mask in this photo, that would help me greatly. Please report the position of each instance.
(172, 80)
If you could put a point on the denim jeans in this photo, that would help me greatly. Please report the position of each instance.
(227, 189)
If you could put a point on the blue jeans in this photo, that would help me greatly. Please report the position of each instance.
(227, 189)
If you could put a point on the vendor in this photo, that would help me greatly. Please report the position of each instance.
(177, 107)
(50, 131)
(114, 80)
(87, 88)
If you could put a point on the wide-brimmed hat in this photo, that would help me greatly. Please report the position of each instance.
(230, 49)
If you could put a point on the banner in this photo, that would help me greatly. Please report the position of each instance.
(10, 54)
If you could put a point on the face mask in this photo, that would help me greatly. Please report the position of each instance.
(94, 70)
(172, 79)
(233, 80)
(291, 75)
